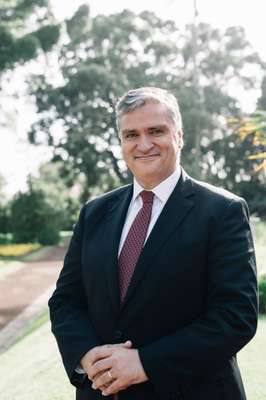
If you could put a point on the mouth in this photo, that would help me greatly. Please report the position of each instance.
(147, 157)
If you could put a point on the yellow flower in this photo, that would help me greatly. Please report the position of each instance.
(15, 250)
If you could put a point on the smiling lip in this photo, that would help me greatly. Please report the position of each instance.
(146, 157)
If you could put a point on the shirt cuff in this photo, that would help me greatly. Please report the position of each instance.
(79, 370)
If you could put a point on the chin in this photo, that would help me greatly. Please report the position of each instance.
(148, 180)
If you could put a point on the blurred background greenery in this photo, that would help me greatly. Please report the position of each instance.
(84, 64)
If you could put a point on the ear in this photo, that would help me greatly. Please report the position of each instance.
(180, 137)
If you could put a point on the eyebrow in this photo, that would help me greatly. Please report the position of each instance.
(161, 126)
(126, 131)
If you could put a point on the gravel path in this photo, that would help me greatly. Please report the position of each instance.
(25, 291)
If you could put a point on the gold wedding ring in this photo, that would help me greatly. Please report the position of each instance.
(110, 375)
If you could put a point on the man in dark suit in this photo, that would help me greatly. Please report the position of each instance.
(158, 289)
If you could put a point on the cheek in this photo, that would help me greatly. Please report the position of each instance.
(126, 152)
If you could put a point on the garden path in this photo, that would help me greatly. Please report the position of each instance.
(25, 292)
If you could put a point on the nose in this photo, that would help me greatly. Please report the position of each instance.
(145, 144)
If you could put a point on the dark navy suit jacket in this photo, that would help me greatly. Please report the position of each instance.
(191, 304)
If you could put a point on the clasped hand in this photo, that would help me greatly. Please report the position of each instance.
(114, 367)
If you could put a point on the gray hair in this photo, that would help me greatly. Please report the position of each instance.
(139, 97)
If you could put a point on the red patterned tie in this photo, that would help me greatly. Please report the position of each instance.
(134, 242)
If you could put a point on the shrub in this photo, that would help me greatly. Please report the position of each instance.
(262, 294)
(5, 238)
(4, 219)
(33, 219)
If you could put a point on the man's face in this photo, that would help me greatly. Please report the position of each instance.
(150, 143)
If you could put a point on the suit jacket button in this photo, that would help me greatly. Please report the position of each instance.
(118, 335)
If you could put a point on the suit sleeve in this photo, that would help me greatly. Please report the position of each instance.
(230, 319)
(68, 310)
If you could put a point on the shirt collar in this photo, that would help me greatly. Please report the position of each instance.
(163, 190)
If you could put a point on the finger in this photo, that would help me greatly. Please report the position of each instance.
(113, 388)
(104, 386)
(104, 351)
(99, 352)
(103, 380)
(127, 344)
(99, 367)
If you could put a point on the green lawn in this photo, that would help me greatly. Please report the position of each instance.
(260, 245)
(252, 361)
(32, 369)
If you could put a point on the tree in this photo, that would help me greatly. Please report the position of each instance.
(253, 125)
(58, 195)
(2, 185)
(252, 128)
(19, 43)
(261, 105)
(4, 210)
(33, 219)
(106, 56)
(248, 152)
(27, 29)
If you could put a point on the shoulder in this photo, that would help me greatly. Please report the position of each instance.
(215, 193)
(109, 196)
(101, 203)
(215, 200)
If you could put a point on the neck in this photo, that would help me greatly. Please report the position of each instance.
(150, 184)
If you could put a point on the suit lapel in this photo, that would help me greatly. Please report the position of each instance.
(175, 211)
(114, 223)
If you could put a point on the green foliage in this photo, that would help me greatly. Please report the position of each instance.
(26, 48)
(33, 219)
(262, 294)
(228, 164)
(19, 43)
(17, 10)
(249, 157)
(262, 99)
(6, 47)
(57, 194)
(259, 229)
(4, 221)
(4, 213)
(48, 36)
(77, 26)
(108, 55)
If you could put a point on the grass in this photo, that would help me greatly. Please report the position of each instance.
(32, 368)
(252, 361)
(260, 245)
(40, 320)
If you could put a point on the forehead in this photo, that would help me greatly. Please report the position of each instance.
(146, 116)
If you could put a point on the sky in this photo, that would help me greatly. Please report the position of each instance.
(18, 159)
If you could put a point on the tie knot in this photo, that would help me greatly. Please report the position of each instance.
(147, 196)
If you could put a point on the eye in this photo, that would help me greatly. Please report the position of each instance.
(156, 131)
(130, 135)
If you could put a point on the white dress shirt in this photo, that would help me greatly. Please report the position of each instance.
(161, 192)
